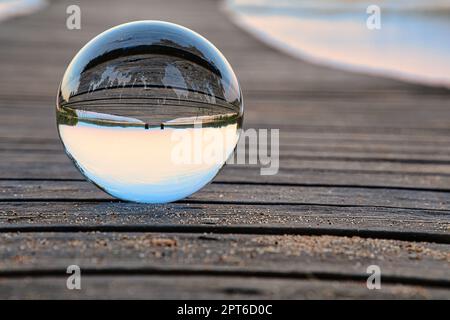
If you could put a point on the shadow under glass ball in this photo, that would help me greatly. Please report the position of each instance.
(149, 111)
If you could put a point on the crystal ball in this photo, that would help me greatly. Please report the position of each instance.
(149, 111)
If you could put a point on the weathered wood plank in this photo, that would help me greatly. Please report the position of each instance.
(244, 193)
(199, 287)
(287, 162)
(283, 256)
(291, 147)
(54, 169)
(375, 222)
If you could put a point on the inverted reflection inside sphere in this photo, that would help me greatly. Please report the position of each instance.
(149, 111)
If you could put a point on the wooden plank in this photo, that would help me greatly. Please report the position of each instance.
(281, 256)
(376, 222)
(294, 163)
(292, 140)
(199, 287)
(53, 164)
(63, 169)
(245, 193)
(299, 146)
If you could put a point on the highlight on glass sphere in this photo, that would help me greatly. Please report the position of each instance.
(149, 111)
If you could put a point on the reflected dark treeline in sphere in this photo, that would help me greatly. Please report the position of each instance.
(144, 75)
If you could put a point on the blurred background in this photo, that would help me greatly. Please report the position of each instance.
(398, 38)
(403, 39)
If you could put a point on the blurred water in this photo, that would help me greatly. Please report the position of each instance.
(13, 8)
(413, 42)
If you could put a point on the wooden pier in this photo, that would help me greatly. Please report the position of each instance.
(364, 180)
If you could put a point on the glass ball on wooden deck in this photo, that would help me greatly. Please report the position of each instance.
(149, 111)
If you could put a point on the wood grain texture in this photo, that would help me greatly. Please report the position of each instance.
(381, 223)
(257, 255)
(127, 286)
(364, 179)
(13, 190)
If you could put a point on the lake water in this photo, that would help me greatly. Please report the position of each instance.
(13, 8)
(412, 44)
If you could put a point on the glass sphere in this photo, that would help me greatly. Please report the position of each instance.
(149, 111)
